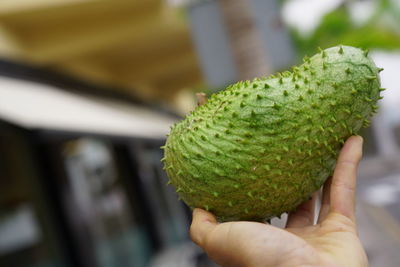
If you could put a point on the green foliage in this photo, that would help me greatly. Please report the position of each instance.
(381, 30)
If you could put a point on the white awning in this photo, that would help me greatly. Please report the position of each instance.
(34, 105)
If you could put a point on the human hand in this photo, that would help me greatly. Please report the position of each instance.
(333, 241)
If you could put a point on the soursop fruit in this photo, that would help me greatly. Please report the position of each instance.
(260, 148)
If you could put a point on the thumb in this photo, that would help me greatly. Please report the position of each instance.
(215, 239)
(235, 243)
(202, 225)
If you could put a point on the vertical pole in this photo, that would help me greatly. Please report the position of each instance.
(245, 39)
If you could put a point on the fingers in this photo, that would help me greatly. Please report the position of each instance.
(325, 203)
(342, 194)
(203, 223)
(304, 214)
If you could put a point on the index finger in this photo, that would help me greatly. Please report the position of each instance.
(343, 185)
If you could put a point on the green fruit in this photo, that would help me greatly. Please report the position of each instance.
(261, 147)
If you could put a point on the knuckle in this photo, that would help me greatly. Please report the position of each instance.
(347, 163)
(338, 183)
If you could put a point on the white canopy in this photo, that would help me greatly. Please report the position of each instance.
(34, 105)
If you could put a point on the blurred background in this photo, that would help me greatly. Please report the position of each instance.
(89, 89)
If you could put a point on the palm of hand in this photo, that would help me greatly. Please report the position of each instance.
(333, 241)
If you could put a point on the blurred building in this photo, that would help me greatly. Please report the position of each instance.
(142, 47)
(88, 90)
(81, 179)
(148, 49)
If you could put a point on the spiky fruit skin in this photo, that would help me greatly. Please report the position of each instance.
(260, 148)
